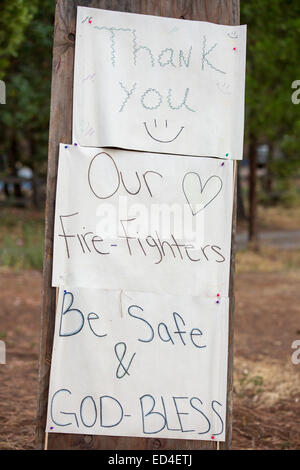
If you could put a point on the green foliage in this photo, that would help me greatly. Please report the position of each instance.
(29, 255)
(21, 240)
(15, 17)
(250, 385)
(25, 117)
(272, 65)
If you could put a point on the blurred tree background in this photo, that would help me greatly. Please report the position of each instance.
(272, 121)
(271, 118)
(26, 33)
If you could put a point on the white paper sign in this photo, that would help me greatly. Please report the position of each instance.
(142, 222)
(139, 364)
(159, 84)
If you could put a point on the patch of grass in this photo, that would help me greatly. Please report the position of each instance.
(285, 445)
(252, 385)
(276, 217)
(268, 381)
(279, 217)
(267, 259)
(21, 239)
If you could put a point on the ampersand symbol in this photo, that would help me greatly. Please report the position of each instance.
(120, 356)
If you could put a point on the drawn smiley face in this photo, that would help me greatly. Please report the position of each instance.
(232, 35)
(224, 88)
(152, 133)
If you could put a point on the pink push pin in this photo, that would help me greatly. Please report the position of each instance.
(90, 20)
(212, 437)
(234, 48)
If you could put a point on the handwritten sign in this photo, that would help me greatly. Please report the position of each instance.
(159, 84)
(142, 222)
(139, 364)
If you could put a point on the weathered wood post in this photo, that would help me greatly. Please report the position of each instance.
(216, 11)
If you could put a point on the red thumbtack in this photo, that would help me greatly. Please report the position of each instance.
(234, 48)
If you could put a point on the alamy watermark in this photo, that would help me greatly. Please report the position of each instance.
(296, 94)
(2, 352)
(2, 92)
(296, 353)
(168, 220)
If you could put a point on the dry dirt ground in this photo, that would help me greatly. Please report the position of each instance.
(266, 386)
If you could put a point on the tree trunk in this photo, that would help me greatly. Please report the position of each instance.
(253, 192)
(241, 215)
(13, 167)
(269, 172)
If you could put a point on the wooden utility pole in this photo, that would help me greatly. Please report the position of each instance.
(216, 11)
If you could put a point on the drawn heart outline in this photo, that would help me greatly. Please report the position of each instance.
(202, 188)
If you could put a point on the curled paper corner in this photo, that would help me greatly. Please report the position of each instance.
(121, 303)
(122, 295)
